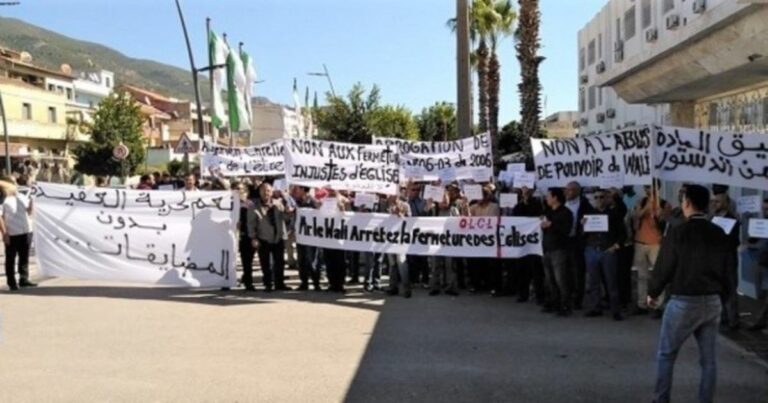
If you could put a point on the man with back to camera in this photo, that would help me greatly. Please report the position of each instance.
(693, 261)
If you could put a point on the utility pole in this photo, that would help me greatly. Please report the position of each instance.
(463, 105)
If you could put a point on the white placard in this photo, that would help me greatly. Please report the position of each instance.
(492, 237)
(524, 179)
(447, 175)
(355, 167)
(612, 180)
(480, 176)
(758, 228)
(280, 184)
(515, 167)
(506, 177)
(749, 204)
(596, 223)
(365, 200)
(166, 187)
(473, 192)
(428, 159)
(508, 200)
(329, 205)
(176, 239)
(434, 193)
(262, 160)
(725, 223)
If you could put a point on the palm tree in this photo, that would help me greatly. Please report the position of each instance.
(503, 20)
(528, 44)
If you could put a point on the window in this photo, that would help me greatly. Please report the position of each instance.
(51, 88)
(646, 14)
(26, 111)
(600, 46)
(582, 103)
(581, 59)
(600, 96)
(108, 81)
(51, 114)
(765, 111)
(69, 94)
(668, 5)
(618, 29)
(60, 89)
(592, 97)
(629, 23)
(712, 114)
(591, 52)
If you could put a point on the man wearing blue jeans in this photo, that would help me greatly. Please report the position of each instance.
(693, 261)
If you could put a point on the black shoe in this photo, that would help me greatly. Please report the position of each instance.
(577, 307)
(268, 288)
(593, 314)
(392, 291)
(452, 293)
(547, 309)
(368, 287)
(618, 317)
(353, 282)
(26, 283)
(303, 287)
(563, 313)
(756, 327)
(283, 287)
(522, 299)
(225, 288)
(434, 292)
(639, 311)
(317, 287)
(250, 288)
(407, 294)
(13, 287)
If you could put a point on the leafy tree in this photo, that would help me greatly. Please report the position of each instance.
(528, 44)
(437, 122)
(392, 121)
(117, 119)
(512, 139)
(347, 119)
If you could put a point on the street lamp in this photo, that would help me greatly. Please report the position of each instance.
(326, 75)
(2, 111)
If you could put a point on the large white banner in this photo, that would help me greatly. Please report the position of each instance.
(590, 159)
(491, 237)
(262, 160)
(174, 238)
(357, 167)
(682, 154)
(469, 158)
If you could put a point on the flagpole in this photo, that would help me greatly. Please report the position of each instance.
(200, 126)
(211, 72)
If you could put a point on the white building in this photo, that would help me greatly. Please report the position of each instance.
(562, 124)
(92, 87)
(273, 121)
(694, 63)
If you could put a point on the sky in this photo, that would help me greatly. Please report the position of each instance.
(403, 46)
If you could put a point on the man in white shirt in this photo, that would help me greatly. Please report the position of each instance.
(16, 229)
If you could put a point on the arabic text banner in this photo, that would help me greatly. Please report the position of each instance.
(469, 158)
(505, 237)
(682, 154)
(262, 160)
(173, 238)
(588, 160)
(357, 167)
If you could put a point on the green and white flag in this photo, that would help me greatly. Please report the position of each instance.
(250, 78)
(218, 51)
(239, 121)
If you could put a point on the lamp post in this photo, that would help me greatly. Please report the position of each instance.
(326, 75)
(2, 111)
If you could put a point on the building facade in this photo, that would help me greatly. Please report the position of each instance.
(273, 121)
(562, 124)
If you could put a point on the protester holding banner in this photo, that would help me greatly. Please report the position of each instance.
(529, 268)
(334, 258)
(484, 273)
(399, 278)
(758, 248)
(418, 266)
(267, 228)
(245, 242)
(649, 220)
(307, 255)
(557, 225)
(579, 206)
(721, 208)
(443, 275)
(16, 229)
(601, 256)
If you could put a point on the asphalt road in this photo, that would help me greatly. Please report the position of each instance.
(72, 340)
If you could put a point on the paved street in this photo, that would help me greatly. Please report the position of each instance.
(84, 341)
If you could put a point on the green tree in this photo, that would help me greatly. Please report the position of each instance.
(528, 44)
(392, 121)
(347, 119)
(437, 122)
(117, 119)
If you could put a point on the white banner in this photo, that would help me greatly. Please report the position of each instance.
(469, 158)
(732, 159)
(263, 160)
(173, 238)
(587, 159)
(342, 166)
(492, 237)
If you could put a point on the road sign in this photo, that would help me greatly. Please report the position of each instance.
(185, 145)
(120, 152)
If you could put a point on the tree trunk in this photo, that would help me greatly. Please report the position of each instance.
(482, 85)
(527, 53)
(494, 87)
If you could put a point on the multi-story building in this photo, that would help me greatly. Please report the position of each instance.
(273, 121)
(562, 124)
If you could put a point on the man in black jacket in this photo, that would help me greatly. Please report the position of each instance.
(693, 261)
(601, 257)
(557, 225)
(579, 206)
